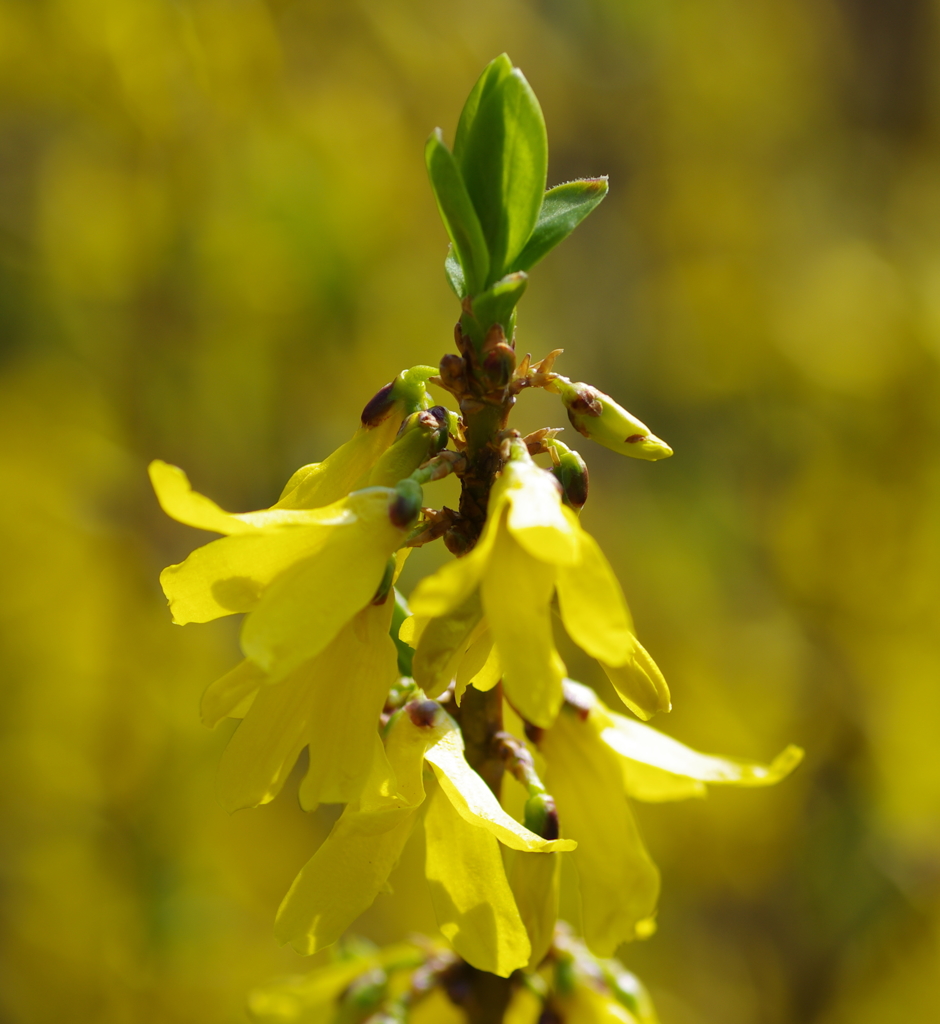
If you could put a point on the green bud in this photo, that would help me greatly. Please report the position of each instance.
(406, 394)
(600, 418)
(541, 816)
(363, 997)
(422, 435)
(571, 472)
(404, 508)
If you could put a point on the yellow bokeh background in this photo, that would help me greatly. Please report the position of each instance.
(217, 241)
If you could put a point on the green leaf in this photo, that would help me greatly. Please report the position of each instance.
(457, 212)
(563, 209)
(503, 161)
(493, 74)
(454, 272)
(496, 304)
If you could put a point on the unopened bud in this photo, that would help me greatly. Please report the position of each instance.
(453, 373)
(407, 393)
(571, 472)
(423, 713)
(541, 816)
(404, 507)
(422, 435)
(499, 363)
(600, 418)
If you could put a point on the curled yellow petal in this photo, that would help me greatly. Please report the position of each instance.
(536, 517)
(517, 591)
(472, 900)
(479, 667)
(227, 695)
(592, 604)
(475, 802)
(618, 882)
(535, 879)
(648, 746)
(639, 683)
(443, 644)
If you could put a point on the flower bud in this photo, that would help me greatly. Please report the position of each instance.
(541, 816)
(571, 472)
(499, 362)
(407, 393)
(404, 507)
(600, 418)
(422, 435)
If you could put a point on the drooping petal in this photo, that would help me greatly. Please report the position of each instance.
(352, 865)
(619, 884)
(226, 697)
(448, 588)
(229, 575)
(330, 705)
(356, 672)
(639, 683)
(535, 518)
(479, 667)
(305, 606)
(322, 483)
(443, 644)
(516, 591)
(654, 786)
(642, 743)
(592, 605)
(343, 877)
(178, 499)
(535, 880)
(474, 800)
(472, 900)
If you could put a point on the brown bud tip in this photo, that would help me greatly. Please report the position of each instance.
(634, 438)
(586, 404)
(423, 712)
(404, 507)
(378, 407)
(499, 364)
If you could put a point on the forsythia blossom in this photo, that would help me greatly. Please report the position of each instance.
(494, 605)
(463, 824)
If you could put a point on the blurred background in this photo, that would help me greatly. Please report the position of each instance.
(217, 241)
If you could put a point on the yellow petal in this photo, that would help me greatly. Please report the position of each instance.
(592, 605)
(525, 1007)
(479, 667)
(587, 1006)
(331, 705)
(229, 575)
(435, 1008)
(472, 900)
(536, 518)
(352, 866)
(534, 881)
(443, 644)
(639, 683)
(354, 674)
(474, 800)
(618, 882)
(649, 746)
(304, 608)
(516, 592)
(344, 471)
(224, 697)
(449, 587)
(343, 877)
(654, 786)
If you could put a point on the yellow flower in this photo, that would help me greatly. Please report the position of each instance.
(330, 704)
(464, 825)
(596, 759)
(499, 596)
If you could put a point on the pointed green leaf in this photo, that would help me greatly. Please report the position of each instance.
(454, 272)
(493, 74)
(496, 304)
(503, 161)
(457, 212)
(563, 209)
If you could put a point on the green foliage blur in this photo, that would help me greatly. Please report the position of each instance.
(217, 240)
